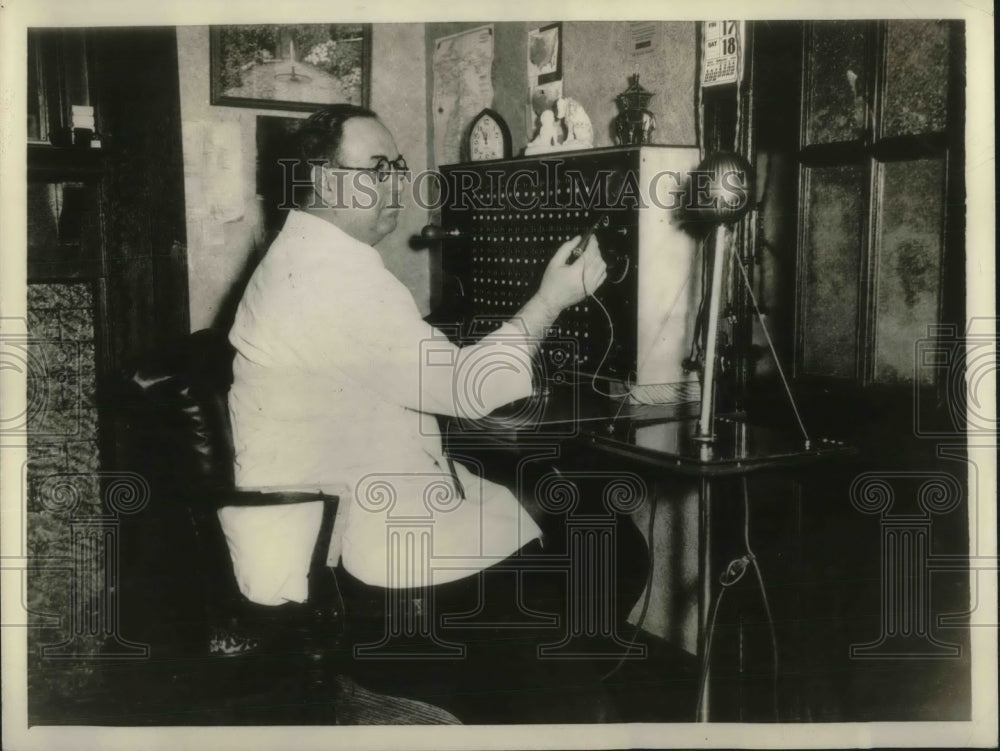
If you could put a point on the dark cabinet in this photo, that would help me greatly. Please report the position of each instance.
(107, 284)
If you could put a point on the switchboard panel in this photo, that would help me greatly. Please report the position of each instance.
(508, 217)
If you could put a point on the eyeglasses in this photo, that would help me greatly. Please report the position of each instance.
(383, 168)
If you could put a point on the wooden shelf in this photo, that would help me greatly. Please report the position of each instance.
(60, 164)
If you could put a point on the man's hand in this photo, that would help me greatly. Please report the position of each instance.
(564, 285)
(561, 287)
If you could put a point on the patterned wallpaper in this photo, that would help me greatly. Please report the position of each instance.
(63, 488)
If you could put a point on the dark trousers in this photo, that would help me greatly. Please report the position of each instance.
(477, 646)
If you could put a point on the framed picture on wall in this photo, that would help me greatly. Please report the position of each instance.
(545, 55)
(290, 66)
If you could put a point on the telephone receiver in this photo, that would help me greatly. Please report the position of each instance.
(609, 235)
(602, 221)
(608, 238)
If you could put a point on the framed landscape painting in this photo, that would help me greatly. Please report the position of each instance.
(290, 66)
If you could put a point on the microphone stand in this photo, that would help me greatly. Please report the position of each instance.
(706, 420)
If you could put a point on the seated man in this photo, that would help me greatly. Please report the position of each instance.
(336, 387)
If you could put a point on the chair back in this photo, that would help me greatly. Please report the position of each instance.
(186, 449)
(186, 393)
(182, 443)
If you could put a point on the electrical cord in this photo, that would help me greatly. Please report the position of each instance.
(732, 574)
(763, 595)
(621, 276)
(611, 340)
(513, 423)
(630, 384)
(729, 577)
(709, 633)
(607, 350)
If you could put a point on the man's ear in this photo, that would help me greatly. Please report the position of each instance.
(328, 185)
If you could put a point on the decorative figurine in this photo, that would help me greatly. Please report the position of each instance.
(548, 134)
(648, 126)
(575, 123)
(634, 124)
(563, 128)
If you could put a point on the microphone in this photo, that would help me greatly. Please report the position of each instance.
(434, 232)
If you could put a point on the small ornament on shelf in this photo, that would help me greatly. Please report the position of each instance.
(547, 137)
(579, 133)
(564, 127)
(635, 124)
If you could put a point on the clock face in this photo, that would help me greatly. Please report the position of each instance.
(487, 140)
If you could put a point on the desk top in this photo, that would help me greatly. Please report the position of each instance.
(658, 436)
(738, 447)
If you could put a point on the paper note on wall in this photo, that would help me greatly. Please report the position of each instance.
(463, 86)
(213, 157)
(642, 37)
(192, 138)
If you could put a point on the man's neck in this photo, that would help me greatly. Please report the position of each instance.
(331, 216)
